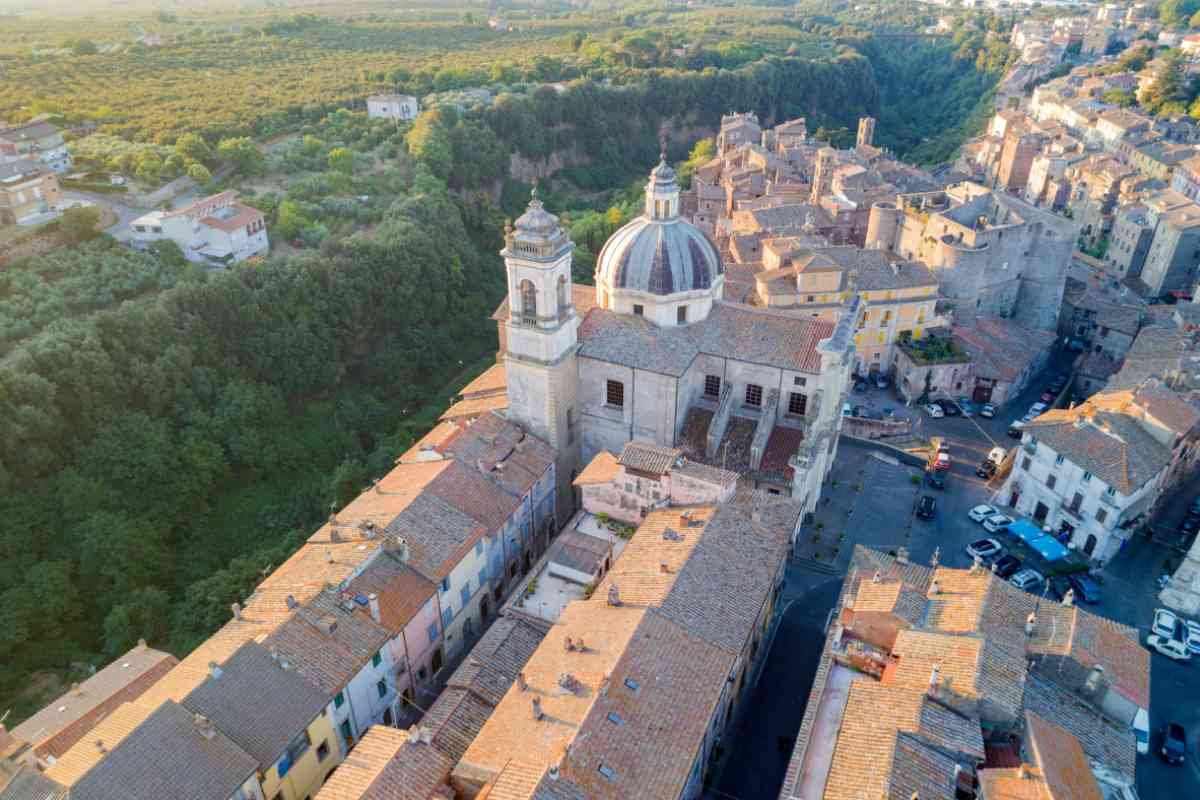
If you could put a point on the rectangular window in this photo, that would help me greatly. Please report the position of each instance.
(483, 576)
(377, 659)
(1058, 460)
(381, 687)
(432, 630)
(638, 310)
(479, 547)
(712, 385)
(447, 616)
(1101, 515)
(887, 318)
(753, 395)
(465, 593)
(1087, 476)
(446, 584)
(570, 425)
(799, 381)
(1110, 491)
(681, 314)
(797, 403)
(339, 700)
(812, 298)
(323, 751)
(614, 394)
(1050, 481)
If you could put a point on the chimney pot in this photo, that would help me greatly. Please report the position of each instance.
(934, 676)
(291, 602)
(100, 746)
(141, 644)
(902, 555)
(537, 709)
(75, 689)
(521, 684)
(237, 610)
(614, 596)
(663, 567)
(214, 669)
(373, 604)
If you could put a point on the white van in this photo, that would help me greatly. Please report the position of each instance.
(1141, 731)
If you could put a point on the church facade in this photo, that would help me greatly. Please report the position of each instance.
(653, 353)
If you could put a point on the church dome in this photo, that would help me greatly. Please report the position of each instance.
(659, 253)
(660, 257)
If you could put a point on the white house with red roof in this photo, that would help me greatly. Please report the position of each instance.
(215, 229)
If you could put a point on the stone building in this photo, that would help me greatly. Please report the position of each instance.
(660, 356)
(994, 256)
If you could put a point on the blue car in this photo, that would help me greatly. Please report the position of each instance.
(1085, 586)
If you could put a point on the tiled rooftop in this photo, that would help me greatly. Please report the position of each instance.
(389, 764)
(1111, 446)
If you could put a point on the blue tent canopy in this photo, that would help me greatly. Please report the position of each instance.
(1025, 530)
(1049, 548)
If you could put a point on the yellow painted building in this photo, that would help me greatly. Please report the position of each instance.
(316, 753)
(897, 296)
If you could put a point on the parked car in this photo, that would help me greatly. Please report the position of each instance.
(1141, 731)
(1060, 585)
(1171, 648)
(1164, 624)
(1027, 580)
(996, 455)
(966, 407)
(1189, 525)
(1005, 566)
(1037, 408)
(996, 522)
(988, 411)
(1015, 430)
(860, 385)
(881, 381)
(942, 461)
(1085, 586)
(1174, 743)
(857, 411)
(935, 478)
(926, 507)
(934, 410)
(986, 549)
(949, 408)
(985, 470)
(1191, 636)
(980, 513)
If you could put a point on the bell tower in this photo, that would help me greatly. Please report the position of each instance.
(540, 337)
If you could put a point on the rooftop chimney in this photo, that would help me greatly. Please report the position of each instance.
(1030, 623)
(100, 746)
(237, 610)
(521, 684)
(664, 567)
(214, 669)
(327, 624)
(328, 556)
(1069, 597)
(291, 602)
(1094, 680)
(614, 596)
(369, 529)
(902, 555)
(141, 645)
(934, 674)
(1023, 771)
(937, 554)
(976, 564)
(537, 709)
(877, 577)
(935, 587)
(204, 726)
(373, 604)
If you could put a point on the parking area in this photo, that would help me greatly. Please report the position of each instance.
(869, 499)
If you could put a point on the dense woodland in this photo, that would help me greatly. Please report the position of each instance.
(167, 433)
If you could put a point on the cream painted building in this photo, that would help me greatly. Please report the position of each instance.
(896, 297)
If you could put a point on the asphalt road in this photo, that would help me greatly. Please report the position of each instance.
(875, 499)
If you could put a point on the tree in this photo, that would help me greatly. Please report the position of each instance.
(200, 174)
(193, 147)
(1176, 13)
(347, 482)
(1170, 87)
(79, 223)
(429, 142)
(341, 160)
(148, 168)
(242, 154)
(83, 47)
(292, 220)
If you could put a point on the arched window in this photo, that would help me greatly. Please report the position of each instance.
(564, 300)
(528, 299)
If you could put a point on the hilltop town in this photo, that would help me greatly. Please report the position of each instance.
(842, 478)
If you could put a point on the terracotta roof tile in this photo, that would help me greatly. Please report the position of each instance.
(602, 469)
(1060, 758)
(167, 756)
(389, 764)
(646, 457)
(970, 666)
(76, 762)
(53, 730)
(1112, 446)
(402, 591)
